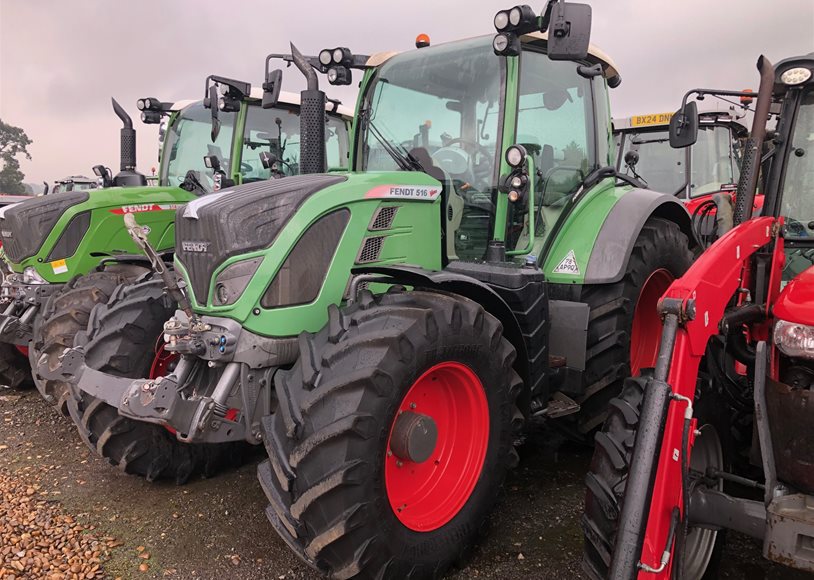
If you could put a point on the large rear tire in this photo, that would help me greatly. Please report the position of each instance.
(123, 339)
(607, 478)
(65, 314)
(624, 325)
(345, 492)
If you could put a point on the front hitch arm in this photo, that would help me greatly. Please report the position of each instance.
(139, 235)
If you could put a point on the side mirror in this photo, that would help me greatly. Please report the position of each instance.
(271, 88)
(684, 126)
(631, 158)
(569, 31)
(212, 162)
(268, 160)
(45, 188)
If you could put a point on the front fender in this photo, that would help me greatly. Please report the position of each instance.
(468, 287)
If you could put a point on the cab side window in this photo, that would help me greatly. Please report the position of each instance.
(555, 124)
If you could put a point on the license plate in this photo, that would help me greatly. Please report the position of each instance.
(647, 120)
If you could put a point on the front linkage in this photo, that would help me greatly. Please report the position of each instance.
(211, 349)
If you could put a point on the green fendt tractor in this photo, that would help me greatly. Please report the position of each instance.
(386, 332)
(69, 252)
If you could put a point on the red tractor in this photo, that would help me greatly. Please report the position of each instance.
(718, 436)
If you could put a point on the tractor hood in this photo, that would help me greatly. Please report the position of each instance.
(24, 226)
(39, 230)
(796, 301)
(238, 220)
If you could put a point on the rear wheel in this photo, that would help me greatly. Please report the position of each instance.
(392, 436)
(624, 326)
(607, 478)
(124, 339)
(65, 314)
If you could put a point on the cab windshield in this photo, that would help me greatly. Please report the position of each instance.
(714, 161)
(277, 131)
(437, 110)
(189, 140)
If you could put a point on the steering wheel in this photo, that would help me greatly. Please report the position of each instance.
(483, 170)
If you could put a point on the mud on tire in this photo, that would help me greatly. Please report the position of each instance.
(121, 340)
(660, 245)
(65, 314)
(327, 440)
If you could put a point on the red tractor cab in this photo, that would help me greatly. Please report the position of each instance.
(719, 435)
(695, 174)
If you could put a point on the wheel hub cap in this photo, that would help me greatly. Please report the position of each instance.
(414, 437)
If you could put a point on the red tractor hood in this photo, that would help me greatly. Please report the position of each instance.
(796, 301)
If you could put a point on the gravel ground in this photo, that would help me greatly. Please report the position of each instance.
(67, 513)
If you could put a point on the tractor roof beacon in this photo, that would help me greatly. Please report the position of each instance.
(68, 252)
(737, 349)
(390, 414)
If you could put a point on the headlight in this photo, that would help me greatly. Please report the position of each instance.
(794, 340)
(232, 281)
(31, 276)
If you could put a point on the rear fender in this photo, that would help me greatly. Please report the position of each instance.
(618, 233)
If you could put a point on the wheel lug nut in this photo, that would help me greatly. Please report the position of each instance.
(399, 463)
(412, 405)
(389, 453)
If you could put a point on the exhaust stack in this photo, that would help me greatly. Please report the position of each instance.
(312, 118)
(753, 148)
(127, 176)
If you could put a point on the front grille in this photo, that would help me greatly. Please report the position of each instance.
(371, 248)
(236, 221)
(383, 218)
(26, 225)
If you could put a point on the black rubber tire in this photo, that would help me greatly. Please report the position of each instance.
(660, 244)
(121, 340)
(607, 476)
(65, 314)
(326, 441)
(15, 372)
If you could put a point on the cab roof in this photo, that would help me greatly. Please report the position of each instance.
(286, 98)
(595, 54)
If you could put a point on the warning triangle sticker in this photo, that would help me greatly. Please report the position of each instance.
(568, 265)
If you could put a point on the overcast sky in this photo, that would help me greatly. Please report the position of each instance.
(62, 60)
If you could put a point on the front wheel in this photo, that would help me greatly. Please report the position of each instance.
(392, 436)
(607, 478)
(124, 339)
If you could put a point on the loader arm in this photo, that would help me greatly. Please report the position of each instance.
(704, 292)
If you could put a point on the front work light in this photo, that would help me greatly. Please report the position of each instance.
(516, 155)
(795, 76)
(339, 75)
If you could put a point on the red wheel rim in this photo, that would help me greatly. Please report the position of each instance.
(427, 495)
(163, 362)
(646, 331)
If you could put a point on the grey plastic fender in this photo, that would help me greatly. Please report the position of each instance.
(618, 234)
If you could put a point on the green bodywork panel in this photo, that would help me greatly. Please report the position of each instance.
(578, 232)
(413, 238)
(154, 207)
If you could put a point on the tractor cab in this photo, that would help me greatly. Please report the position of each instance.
(228, 146)
(710, 166)
(452, 110)
(795, 182)
(73, 183)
